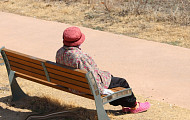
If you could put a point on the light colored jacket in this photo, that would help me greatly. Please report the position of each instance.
(76, 58)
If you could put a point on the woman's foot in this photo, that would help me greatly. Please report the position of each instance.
(140, 107)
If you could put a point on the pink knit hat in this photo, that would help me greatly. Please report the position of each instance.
(72, 36)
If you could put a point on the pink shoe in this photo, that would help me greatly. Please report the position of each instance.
(142, 107)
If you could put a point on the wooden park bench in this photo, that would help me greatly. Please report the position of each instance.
(57, 76)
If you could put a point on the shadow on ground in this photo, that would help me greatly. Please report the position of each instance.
(42, 106)
(37, 106)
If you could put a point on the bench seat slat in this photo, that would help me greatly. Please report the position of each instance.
(65, 74)
(50, 84)
(23, 62)
(28, 73)
(69, 80)
(61, 68)
(115, 90)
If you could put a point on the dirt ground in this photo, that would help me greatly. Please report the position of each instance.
(43, 100)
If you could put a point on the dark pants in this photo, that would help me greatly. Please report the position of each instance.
(129, 101)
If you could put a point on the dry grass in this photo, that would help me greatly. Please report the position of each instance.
(166, 21)
(41, 106)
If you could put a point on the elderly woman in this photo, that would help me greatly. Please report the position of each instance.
(71, 55)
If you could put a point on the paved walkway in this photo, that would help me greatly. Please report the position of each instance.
(154, 70)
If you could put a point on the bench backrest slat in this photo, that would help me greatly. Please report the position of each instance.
(72, 86)
(27, 68)
(65, 69)
(28, 73)
(25, 64)
(23, 56)
(62, 73)
(69, 80)
(17, 60)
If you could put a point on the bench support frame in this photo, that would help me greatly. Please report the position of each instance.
(101, 113)
(17, 92)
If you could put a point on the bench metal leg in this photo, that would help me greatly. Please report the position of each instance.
(17, 92)
(102, 115)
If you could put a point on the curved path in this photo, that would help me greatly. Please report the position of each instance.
(154, 70)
